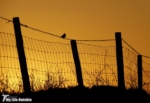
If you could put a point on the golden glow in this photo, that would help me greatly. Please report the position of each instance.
(79, 19)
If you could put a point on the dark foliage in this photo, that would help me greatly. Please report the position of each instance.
(98, 94)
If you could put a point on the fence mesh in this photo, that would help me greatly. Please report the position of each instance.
(98, 64)
(146, 76)
(130, 68)
(51, 64)
(130, 65)
(10, 75)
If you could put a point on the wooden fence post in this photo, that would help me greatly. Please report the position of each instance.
(119, 56)
(21, 55)
(139, 71)
(77, 63)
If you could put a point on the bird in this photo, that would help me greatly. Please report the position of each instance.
(63, 36)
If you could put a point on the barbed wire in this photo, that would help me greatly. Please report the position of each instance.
(96, 40)
(130, 47)
(134, 49)
(69, 38)
(35, 29)
(43, 57)
(6, 19)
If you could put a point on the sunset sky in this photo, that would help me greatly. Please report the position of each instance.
(82, 19)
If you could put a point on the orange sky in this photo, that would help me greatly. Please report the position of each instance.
(82, 19)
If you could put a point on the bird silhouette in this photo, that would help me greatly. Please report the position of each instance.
(63, 36)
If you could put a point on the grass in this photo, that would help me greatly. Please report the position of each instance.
(94, 94)
(53, 91)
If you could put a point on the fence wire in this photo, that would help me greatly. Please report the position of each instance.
(51, 34)
(10, 75)
(130, 68)
(98, 64)
(146, 76)
(130, 54)
(49, 63)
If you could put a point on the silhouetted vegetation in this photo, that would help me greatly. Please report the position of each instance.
(94, 94)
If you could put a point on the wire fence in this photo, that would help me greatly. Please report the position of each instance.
(130, 68)
(50, 60)
(98, 64)
(51, 64)
(146, 77)
(9, 63)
